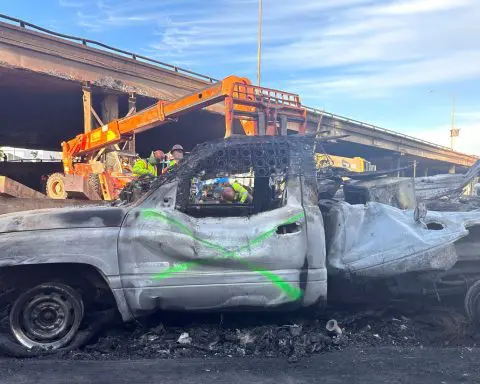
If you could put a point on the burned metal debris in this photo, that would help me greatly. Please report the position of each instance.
(434, 187)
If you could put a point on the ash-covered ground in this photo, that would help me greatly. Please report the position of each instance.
(292, 335)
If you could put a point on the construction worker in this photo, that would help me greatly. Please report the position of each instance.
(236, 193)
(143, 167)
(175, 155)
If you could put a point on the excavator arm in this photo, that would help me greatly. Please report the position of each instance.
(242, 100)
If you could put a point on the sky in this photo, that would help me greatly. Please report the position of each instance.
(397, 64)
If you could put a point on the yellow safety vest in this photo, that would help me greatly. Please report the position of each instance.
(241, 193)
(143, 167)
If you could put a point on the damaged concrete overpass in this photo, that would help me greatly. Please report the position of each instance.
(43, 78)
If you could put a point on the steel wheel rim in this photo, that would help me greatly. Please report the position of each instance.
(46, 317)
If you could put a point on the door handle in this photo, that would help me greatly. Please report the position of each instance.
(288, 228)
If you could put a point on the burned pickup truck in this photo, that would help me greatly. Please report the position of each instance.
(183, 246)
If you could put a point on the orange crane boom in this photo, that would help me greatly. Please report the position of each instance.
(240, 96)
(261, 111)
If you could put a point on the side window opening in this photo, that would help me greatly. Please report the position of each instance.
(235, 194)
(223, 189)
(235, 180)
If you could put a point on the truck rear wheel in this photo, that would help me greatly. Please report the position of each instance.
(47, 316)
(472, 303)
(56, 186)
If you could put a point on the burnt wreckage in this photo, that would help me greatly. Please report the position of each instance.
(173, 243)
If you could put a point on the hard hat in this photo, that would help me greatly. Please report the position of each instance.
(177, 147)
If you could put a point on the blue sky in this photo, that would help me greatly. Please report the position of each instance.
(393, 63)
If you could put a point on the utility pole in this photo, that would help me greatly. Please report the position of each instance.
(454, 132)
(259, 47)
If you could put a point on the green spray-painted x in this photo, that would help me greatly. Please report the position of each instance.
(289, 289)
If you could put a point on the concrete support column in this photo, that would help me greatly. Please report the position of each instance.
(398, 165)
(109, 108)
(109, 112)
(451, 169)
(426, 172)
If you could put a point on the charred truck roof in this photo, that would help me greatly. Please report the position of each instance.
(266, 155)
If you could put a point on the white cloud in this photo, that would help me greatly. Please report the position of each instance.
(417, 6)
(373, 50)
(342, 46)
(394, 77)
(108, 14)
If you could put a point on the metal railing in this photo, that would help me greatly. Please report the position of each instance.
(86, 42)
(266, 96)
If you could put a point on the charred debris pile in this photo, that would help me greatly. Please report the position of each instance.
(288, 335)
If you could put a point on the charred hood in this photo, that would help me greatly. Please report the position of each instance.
(62, 218)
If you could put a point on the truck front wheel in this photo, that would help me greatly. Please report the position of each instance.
(46, 316)
(472, 302)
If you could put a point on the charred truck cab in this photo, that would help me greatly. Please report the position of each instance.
(181, 246)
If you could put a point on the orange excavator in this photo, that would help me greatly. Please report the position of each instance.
(96, 167)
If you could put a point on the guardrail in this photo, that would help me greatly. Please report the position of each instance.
(85, 42)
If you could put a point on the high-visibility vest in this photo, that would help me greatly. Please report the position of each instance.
(241, 193)
(143, 167)
(171, 164)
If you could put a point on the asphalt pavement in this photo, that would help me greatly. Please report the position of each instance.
(353, 365)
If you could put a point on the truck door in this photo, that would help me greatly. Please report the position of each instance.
(187, 247)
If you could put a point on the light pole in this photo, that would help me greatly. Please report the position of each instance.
(454, 132)
(259, 45)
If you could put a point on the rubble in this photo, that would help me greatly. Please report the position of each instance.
(454, 204)
(183, 339)
(394, 191)
(434, 187)
(332, 326)
(290, 335)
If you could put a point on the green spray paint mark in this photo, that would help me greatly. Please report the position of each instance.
(178, 268)
(289, 289)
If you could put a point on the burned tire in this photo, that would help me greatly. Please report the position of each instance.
(472, 303)
(47, 316)
(56, 186)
